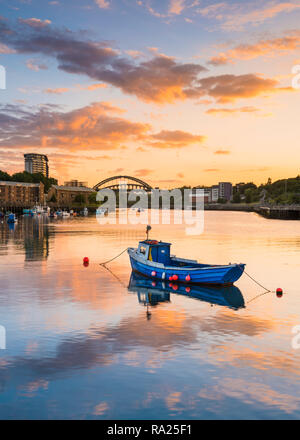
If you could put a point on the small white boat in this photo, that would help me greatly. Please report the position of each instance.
(85, 212)
(101, 211)
(65, 214)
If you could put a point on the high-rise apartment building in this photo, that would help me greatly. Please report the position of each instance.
(36, 163)
(225, 190)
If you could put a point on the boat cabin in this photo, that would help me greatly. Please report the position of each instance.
(156, 251)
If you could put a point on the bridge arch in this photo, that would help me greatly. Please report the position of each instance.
(114, 182)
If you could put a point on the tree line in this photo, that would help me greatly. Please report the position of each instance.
(29, 178)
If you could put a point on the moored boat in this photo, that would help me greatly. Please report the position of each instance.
(152, 258)
(12, 218)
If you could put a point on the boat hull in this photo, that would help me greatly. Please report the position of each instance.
(209, 275)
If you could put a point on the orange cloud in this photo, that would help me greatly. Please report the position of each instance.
(229, 88)
(235, 16)
(143, 172)
(271, 47)
(35, 22)
(222, 152)
(94, 127)
(57, 91)
(175, 139)
(228, 111)
(103, 4)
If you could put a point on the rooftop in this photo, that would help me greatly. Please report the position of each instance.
(9, 183)
(73, 188)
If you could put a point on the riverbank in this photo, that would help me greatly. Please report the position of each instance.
(284, 212)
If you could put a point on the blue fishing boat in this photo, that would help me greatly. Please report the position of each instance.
(154, 292)
(152, 258)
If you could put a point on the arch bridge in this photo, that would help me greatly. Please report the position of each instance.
(122, 182)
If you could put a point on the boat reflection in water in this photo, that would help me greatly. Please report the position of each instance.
(152, 292)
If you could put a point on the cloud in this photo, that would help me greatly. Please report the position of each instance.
(161, 79)
(103, 4)
(175, 139)
(235, 16)
(229, 88)
(94, 127)
(142, 172)
(222, 152)
(57, 91)
(35, 22)
(228, 111)
(176, 6)
(35, 65)
(5, 49)
(96, 86)
(270, 47)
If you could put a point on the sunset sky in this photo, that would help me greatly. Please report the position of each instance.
(172, 91)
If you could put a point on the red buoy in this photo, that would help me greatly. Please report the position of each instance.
(86, 260)
(279, 292)
(170, 278)
(187, 289)
(187, 278)
(153, 283)
(153, 273)
(175, 277)
(174, 287)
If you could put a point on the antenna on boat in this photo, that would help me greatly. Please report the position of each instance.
(147, 230)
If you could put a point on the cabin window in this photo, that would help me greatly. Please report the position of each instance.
(143, 250)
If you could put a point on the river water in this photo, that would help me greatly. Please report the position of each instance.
(81, 345)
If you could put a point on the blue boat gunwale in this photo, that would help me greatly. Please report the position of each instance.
(144, 260)
(152, 259)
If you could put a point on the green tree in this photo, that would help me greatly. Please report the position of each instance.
(92, 198)
(4, 176)
(249, 196)
(79, 199)
(236, 198)
(22, 177)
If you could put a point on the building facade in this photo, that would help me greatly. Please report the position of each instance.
(66, 196)
(20, 194)
(215, 193)
(225, 190)
(36, 163)
(76, 183)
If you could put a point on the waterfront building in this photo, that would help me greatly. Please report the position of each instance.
(36, 163)
(21, 194)
(66, 196)
(76, 183)
(206, 196)
(214, 193)
(225, 190)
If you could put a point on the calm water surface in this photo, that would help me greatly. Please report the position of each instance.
(80, 344)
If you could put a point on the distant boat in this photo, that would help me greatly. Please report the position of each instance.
(65, 214)
(85, 212)
(154, 292)
(100, 211)
(152, 259)
(12, 218)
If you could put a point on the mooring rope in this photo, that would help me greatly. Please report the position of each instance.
(255, 281)
(108, 261)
